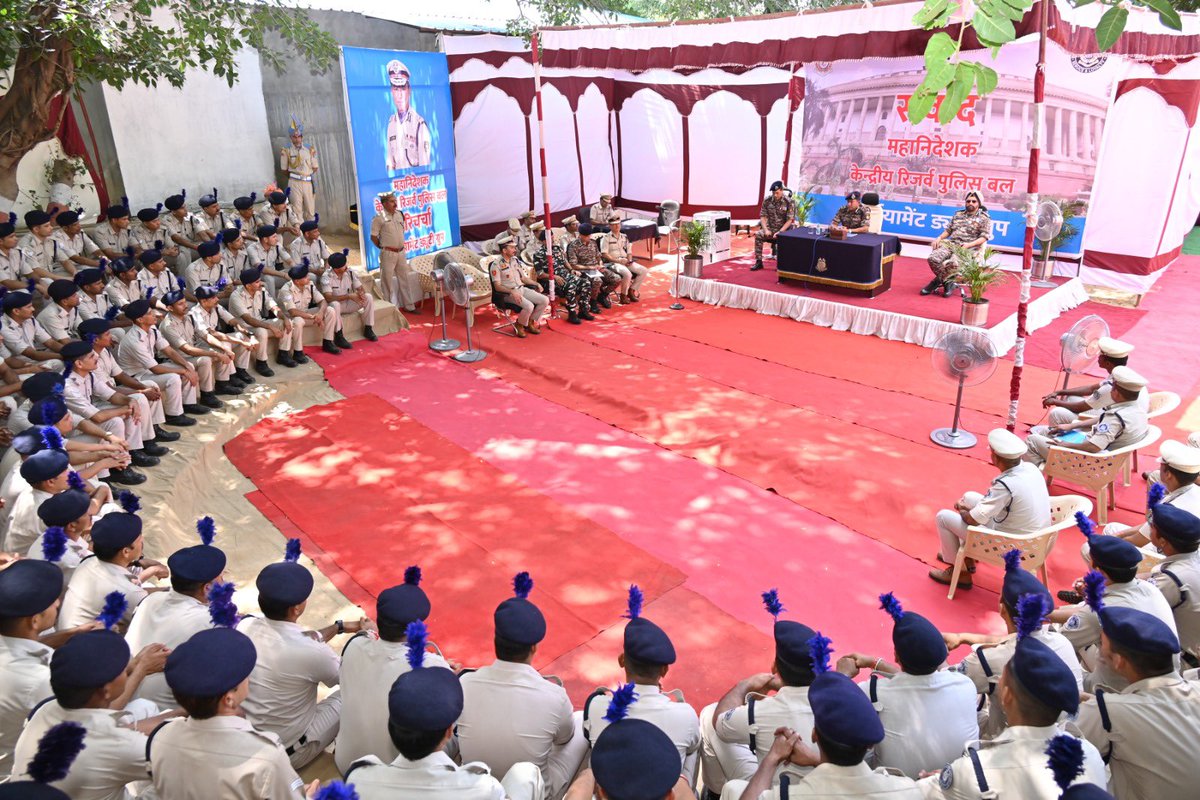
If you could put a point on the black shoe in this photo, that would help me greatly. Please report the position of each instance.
(932, 286)
(165, 436)
(369, 333)
(573, 318)
(299, 357)
(595, 309)
(210, 400)
(246, 378)
(284, 360)
(153, 448)
(340, 340)
(949, 288)
(126, 477)
(227, 388)
(757, 266)
(604, 301)
(329, 347)
(181, 421)
(585, 314)
(141, 459)
(1068, 596)
(195, 409)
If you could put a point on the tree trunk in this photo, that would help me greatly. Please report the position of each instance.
(29, 114)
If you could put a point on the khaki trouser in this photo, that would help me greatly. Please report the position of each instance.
(204, 368)
(320, 733)
(722, 761)
(952, 530)
(366, 308)
(303, 198)
(400, 284)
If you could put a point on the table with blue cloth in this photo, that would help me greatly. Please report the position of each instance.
(860, 264)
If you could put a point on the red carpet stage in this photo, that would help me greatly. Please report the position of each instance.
(705, 454)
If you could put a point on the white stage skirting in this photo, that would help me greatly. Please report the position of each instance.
(874, 322)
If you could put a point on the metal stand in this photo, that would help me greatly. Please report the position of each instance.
(445, 343)
(676, 306)
(471, 355)
(1041, 278)
(952, 437)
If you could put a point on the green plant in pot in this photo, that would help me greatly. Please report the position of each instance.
(976, 273)
(804, 204)
(696, 237)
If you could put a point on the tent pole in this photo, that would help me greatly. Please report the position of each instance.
(1031, 204)
(549, 236)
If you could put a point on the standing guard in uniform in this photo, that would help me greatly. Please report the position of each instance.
(617, 252)
(400, 284)
(279, 212)
(970, 229)
(774, 217)
(79, 247)
(179, 329)
(310, 245)
(302, 303)
(1017, 502)
(569, 284)
(370, 666)
(215, 746)
(1147, 731)
(251, 303)
(176, 377)
(511, 283)
(845, 728)
(113, 236)
(647, 656)
(299, 161)
(513, 714)
(1118, 425)
(853, 217)
(422, 706)
(584, 256)
(408, 141)
(346, 293)
(292, 663)
(914, 690)
(739, 729)
(1035, 689)
(989, 654)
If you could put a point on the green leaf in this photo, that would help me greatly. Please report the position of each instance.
(998, 8)
(938, 77)
(996, 30)
(940, 48)
(1022, 5)
(1166, 13)
(964, 79)
(929, 12)
(1112, 24)
(1080, 3)
(919, 105)
(986, 78)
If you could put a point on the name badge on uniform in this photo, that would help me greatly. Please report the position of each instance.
(1073, 623)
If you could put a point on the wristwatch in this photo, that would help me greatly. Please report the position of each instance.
(341, 626)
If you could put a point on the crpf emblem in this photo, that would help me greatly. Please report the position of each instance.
(821, 265)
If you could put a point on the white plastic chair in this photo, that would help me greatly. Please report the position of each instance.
(1095, 471)
(1160, 403)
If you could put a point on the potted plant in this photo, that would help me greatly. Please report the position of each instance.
(976, 273)
(804, 204)
(696, 237)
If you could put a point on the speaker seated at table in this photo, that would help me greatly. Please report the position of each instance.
(871, 200)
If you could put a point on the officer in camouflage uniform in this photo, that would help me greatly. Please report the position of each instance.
(775, 217)
(970, 228)
(854, 216)
(584, 256)
(572, 286)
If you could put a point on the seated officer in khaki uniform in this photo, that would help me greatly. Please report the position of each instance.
(617, 253)
(179, 327)
(1176, 534)
(251, 303)
(304, 304)
(1119, 425)
(279, 212)
(600, 212)
(346, 293)
(510, 282)
(1068, 405)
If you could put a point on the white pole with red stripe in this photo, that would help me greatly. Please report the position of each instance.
(1031, 204)
(537, 97)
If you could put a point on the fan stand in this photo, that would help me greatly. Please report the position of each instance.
(1041, 276)
(953, 437)
(445, 343)
(470, 355)
(676, 306)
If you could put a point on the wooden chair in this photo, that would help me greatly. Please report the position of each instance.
(1095, 471)
(989, 545)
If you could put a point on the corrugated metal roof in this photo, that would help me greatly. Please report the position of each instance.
(452, 15)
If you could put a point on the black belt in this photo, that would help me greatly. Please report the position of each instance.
(300, 743)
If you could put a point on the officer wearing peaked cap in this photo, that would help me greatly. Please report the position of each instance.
(739, 729)
(845, 727)
(989, 654)
(1180, 467)
(1036, 688)
(215, 745)
(1068, 405)
(299, 161)
(422, 706)
(914, 690)
(400, 284)
(371, 665)
(1147, 732)
(1176, 534)
(1121, 423)
(1115, 566)
(29, 592)
(1016, 502)
(292, 663)
(513, 714)
(408, 140)
(646, 658)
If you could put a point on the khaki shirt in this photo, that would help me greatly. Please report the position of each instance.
(249, 224)
(1178, 578)
(78, 245)
(787, 708)
(59, 322)
(506, 275)
(434, 777)
(170, 619)
(220, 757)
(109, 238)
(178, 331)
(21, 336)
(1017, 501)
(407, 141)
(161, 283)
(82, 392)
(316, 251)
(677, 720)
(299, 161)
(293, 298)
(120, 294)
(217, 222)
(336, 285)
(92, 582)
(275, 258)
(200, 274)
(91, 307)
(389, 229)
(15, 264)
(146, 239)
(24, 682)
(616, 247)
(237, 260)
(138, 351)
(599, 213)
(288, 218)
(1150, 740)
(831, 781)
(260, 306)
(48, 253)
(190, 227)
(1083, 627)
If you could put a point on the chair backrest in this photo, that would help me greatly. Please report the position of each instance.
(1064, 507)
(1162, 403)
(875, 224)
(491, 248)
(668, 213)
(1153, 433)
